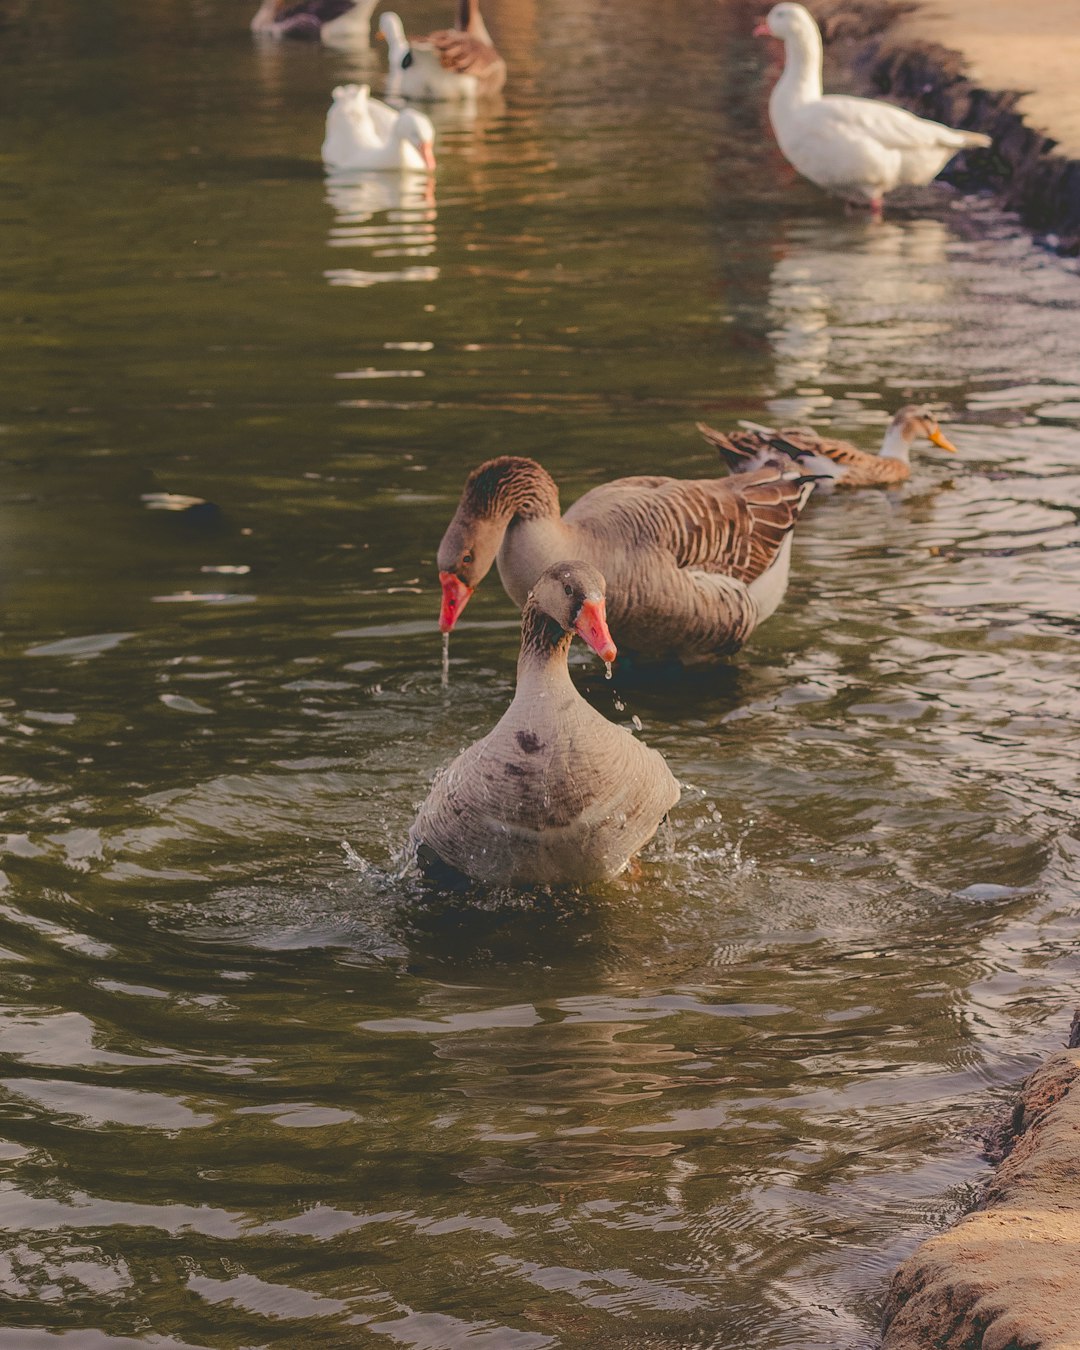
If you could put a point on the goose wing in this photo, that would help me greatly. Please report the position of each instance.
(734, 527)
(892, 127)
(749, 449)
(462, 53)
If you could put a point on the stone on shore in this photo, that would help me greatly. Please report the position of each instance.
(1007, 1277)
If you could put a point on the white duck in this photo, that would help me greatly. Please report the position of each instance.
(554, 793)
(857, 148)
(362, 133)
(336, 22)
(452, 64)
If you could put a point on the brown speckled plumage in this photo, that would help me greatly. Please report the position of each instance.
(554, 793)
(845, 464)
(467, 49)
(692, 566)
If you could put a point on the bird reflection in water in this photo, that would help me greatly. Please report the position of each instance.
(391, 216)
(876, 308)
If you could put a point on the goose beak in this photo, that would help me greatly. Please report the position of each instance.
(938, 439)
(761, 30)
(592, 627)
(427, 154)
(455, 596)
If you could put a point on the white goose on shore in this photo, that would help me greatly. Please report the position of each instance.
(856, 148)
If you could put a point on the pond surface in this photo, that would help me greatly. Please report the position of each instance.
(259, 1087)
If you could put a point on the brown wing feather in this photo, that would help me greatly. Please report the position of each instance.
(729, 526)
(463, 53)
(743, 449)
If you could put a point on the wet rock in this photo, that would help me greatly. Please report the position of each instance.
(1005, 1276)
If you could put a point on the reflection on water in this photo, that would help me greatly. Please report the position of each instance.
(390, 215)
(260, 1083)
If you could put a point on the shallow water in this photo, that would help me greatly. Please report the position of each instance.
(258, 1087)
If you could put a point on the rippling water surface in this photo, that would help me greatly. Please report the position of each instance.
(258, 1087)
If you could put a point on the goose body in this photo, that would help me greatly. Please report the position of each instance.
(856, 148)
(336, 22)
(362, 133)
(839, 462)
(452, 64)
(554, 793)
(692, 566)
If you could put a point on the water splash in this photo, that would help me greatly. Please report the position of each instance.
(446, 660)
(607, 670)
(353, 861)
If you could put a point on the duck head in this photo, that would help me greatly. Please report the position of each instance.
(908, 424)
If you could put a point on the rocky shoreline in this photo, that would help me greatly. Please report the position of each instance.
(867, 39)
(1004, 1277)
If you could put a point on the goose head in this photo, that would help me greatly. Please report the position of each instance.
(788, 21)
(392, 32)
(911, 422)
(494, 494)
(415, 128)
(570, 595)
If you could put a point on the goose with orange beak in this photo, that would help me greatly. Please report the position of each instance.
(832, 461)
(554, 793)
(692, 565)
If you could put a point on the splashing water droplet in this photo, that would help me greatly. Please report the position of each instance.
(636, 720)
(607, 670)
(445, 660)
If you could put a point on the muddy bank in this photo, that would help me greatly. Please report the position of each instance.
(868, 39)
(1006, 1276)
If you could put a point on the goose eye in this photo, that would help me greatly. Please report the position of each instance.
(569, 590)
(467, 557)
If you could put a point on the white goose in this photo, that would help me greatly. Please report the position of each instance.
(362, 133)
(857, 148)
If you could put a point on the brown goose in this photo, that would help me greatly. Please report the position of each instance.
(452, 63)
(843, 463)
(555, 792)
(693, 566)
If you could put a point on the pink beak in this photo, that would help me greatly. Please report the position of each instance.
(455, 596)
(761, 30)
(427, 154)
(592, 627)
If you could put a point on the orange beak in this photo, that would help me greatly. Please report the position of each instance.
(592, 627)
(427, 154)
(940, 440)
(455, 596)
(761, 30)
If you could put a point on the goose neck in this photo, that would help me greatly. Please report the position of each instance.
(895, 445)
(801, 80)
(542, 661)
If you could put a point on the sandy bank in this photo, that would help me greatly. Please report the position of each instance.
(1006, 1277)
(1010, 45)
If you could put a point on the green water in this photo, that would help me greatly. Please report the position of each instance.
(257, 1086)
